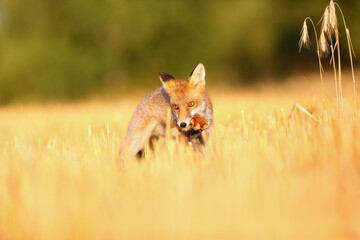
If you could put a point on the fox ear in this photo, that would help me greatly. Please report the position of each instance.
(166, 78)
(197, 78)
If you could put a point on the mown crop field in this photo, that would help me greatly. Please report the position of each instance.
(270, 172)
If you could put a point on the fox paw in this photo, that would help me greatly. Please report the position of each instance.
(197, 122)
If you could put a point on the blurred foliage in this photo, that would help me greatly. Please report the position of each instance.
(67, 49)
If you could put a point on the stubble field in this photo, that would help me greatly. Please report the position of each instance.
(269, 172)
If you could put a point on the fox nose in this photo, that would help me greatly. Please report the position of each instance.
(183, 125)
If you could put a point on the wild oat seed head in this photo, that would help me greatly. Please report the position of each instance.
(324, 48)
(325, 26)
(304, 38)
(332, 16)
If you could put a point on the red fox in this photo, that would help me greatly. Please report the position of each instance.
(191, 110)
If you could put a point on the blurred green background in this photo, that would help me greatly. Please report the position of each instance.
(51, 49)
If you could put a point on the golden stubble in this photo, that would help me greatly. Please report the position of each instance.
(265, 173)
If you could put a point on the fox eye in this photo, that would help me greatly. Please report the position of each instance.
(191, 104)
(175, 107)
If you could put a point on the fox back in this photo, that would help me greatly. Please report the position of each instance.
(185, 98)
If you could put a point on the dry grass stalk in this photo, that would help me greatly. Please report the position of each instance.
(330, 28)
(328, 25)
(332, 60)
(339, 73)
(333, 30)
(305, 40)
(298, 106)
(351, 52)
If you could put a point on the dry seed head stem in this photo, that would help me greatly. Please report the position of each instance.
(350, 42)
(346, 29)
(335, 31)
(306, 112)
(296, 105)
(332, 61)
(317, 50)
(350, 53)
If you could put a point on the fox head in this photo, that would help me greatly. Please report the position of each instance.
(186, 97)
